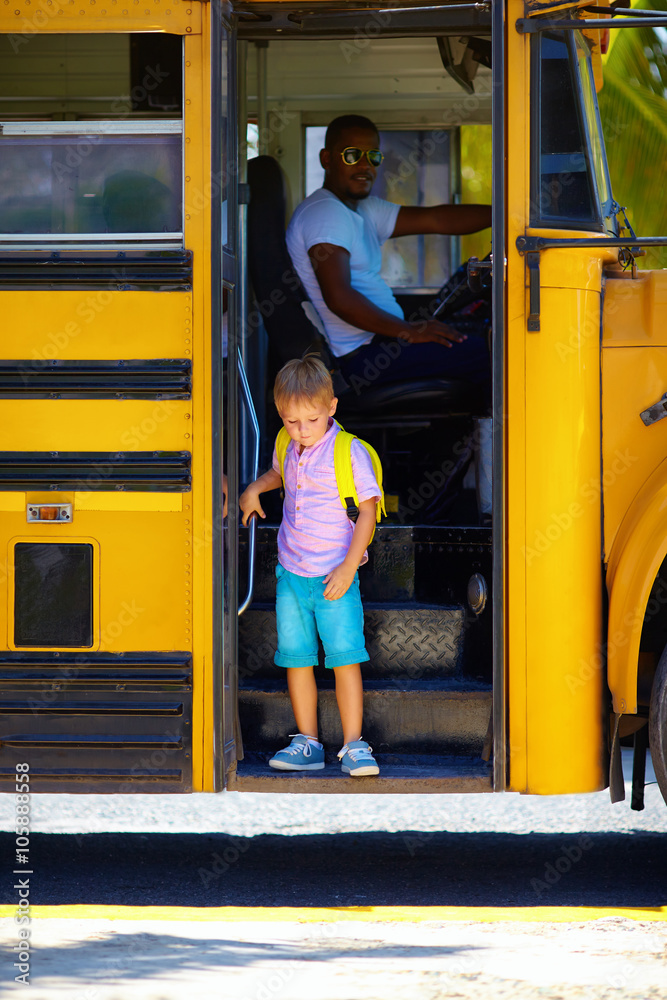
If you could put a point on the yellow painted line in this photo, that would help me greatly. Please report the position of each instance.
(335, 914)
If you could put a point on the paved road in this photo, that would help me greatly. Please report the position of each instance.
(335, 850)
(363, 853)
(376, 869)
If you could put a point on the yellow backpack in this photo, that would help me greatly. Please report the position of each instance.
(343, 469)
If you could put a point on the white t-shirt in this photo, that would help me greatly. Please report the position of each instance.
(324, 218)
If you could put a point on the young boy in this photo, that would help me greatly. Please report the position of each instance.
(319, 551)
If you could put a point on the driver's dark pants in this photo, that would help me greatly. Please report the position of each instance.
(387, 359)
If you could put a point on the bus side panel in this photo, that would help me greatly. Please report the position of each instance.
(634, 378)
(563, 530)
(553, 534)
(138, 589)
(142, 535)
(103, 324)
(24, 19)
(638, 552)
(145, 556)
(96, 617)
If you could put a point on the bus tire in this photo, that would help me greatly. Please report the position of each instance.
(657, 724)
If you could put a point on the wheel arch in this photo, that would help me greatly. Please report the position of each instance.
(633, 566)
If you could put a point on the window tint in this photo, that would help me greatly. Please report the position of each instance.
(91, 140)
(562, 189)
(93, 185)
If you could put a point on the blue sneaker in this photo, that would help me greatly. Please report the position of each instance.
(300, 755)
(356, 759)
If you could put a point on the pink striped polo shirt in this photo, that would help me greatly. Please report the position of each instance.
(315, 532)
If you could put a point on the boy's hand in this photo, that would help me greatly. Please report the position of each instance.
(249, 504)
(249, 499)
(338, 581)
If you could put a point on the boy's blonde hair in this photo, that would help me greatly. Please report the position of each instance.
(303, 378)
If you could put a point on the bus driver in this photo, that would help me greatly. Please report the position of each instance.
(335, 238)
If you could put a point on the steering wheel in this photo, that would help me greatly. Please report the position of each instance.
(470, 282)
(480, 277)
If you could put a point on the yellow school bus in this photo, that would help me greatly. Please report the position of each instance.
(151, 153)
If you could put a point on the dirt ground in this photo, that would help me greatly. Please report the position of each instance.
(611, 957)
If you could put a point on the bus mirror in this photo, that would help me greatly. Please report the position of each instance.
(462, 57)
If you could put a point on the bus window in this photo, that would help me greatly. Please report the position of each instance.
(594, 128)
(111, 170)
(90, 182)
(562, 192)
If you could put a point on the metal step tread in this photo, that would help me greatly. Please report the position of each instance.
(400, 637)
(398, 773)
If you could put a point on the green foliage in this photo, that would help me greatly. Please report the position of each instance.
(633, 108)
(476, 183)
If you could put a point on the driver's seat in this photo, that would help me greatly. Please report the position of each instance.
(285, 309)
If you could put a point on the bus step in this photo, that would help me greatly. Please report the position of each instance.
(401, 563)
(401, 639)
(425, 720)
(417, 773)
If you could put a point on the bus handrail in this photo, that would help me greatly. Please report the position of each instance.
(252, 527)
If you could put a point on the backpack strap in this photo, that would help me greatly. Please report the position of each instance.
(343, 469)
(345, 476)
(282, 442)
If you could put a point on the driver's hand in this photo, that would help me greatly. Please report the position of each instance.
(432, 331)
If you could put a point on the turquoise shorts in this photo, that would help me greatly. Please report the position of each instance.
(302, 613)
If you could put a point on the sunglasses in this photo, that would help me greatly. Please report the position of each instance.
(352, 154)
